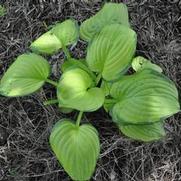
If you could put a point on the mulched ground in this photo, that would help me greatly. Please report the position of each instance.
(26, 156)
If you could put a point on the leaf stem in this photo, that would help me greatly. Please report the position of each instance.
(51, 101)
(110, 101)
(79, 118)
(98, 78)
(52, 82)
(66, 52)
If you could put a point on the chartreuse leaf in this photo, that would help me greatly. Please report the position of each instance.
(47, 43)
(111, 13)
(62, 34)
(111, 51)
(26, 75)
(76, 148)
(73, 63)
(67, 32)
(150, 132)
(77, 90)
(143, 98)
(106, 86)
(139, 63)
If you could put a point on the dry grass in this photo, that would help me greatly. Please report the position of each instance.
(26, 154)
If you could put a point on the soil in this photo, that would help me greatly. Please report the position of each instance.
(25, 123)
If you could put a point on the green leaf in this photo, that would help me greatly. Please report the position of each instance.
(73, 63)
(26, 75)
(111, 13)
(62, 34)
(106, 86)
(67, 32)
(151, 132)
(47, 43)
(76, 148)
(111, 51)
(145, 97)
(77, 90)
(139, 63)
(108, 104)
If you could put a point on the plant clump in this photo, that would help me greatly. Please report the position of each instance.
(138, 103)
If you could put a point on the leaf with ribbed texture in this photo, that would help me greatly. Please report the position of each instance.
(25, 76)
(139, 63)
(76, 89)
(76, 148)
(111, 51)
(145, 97)
(111, 13)
(62, 34)
(73, 63)
(67, 32)
(47, 43)
(150, 132)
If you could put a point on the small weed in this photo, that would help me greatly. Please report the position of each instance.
(2, 10)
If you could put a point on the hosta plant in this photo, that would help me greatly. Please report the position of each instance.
(138, 103)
